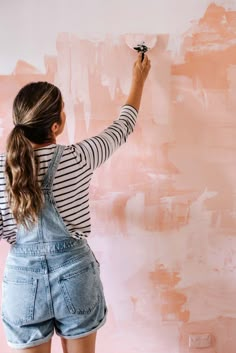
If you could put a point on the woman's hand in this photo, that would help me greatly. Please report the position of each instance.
(140, 73)
(141, 69)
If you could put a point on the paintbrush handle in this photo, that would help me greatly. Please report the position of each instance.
(141, 48)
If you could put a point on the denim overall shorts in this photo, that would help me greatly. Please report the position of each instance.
(51, 281)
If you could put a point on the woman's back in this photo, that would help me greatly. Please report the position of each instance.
(73, 176)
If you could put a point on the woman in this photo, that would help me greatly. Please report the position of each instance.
(52, 279)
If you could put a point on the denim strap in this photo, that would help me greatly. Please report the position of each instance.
(52, 168)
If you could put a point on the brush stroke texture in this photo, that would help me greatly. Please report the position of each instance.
(164, 214)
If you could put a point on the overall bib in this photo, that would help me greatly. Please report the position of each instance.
(51, 281)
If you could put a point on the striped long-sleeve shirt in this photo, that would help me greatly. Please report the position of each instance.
(73, 176)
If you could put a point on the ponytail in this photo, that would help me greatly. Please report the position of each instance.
(36, 107)
(21, 172)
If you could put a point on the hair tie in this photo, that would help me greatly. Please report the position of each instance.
(19, 127)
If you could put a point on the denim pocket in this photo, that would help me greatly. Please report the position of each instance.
(81, 289)
(18, 300)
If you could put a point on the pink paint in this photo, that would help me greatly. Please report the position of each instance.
(164, 206)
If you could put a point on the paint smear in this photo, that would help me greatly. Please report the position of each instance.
(210, 50)
(172, 300)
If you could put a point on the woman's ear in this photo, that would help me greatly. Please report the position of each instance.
(55, 128)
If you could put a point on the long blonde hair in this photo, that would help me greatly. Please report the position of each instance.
(36, 107)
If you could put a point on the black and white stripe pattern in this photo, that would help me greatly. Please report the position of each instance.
(73, 176)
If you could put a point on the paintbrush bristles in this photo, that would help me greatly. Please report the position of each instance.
(141, 48)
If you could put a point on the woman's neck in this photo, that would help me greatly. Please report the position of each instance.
(35, 145)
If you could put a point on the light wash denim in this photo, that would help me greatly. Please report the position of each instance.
(51, 281)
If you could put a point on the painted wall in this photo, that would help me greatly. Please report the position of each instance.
(164, 207)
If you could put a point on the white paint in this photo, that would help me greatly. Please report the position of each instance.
(28, 30)
(134, 211)
(1, 128)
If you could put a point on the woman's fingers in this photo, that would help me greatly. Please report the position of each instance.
(141, 67)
